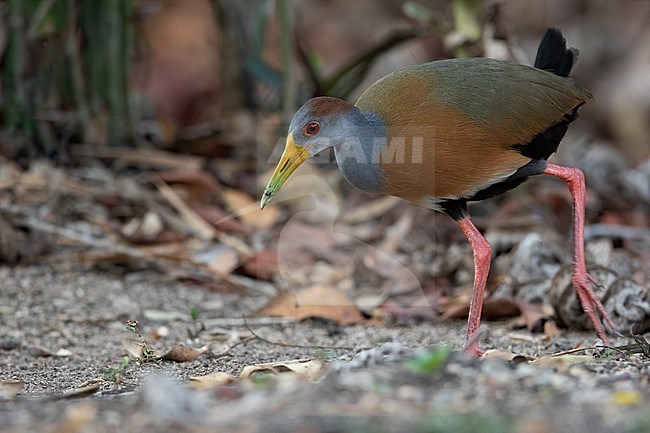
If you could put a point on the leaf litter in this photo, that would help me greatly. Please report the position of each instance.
(377, 264)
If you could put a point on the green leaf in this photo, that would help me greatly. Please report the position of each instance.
(467, 18)
(430, 361)
(195, 313)
(418, 12)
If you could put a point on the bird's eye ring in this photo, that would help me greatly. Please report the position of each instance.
(312, 128)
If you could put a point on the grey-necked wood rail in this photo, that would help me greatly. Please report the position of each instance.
(449, 132)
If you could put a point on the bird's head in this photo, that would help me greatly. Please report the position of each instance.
(319, 124)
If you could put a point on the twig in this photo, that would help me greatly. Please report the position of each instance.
(574, 350)
(298, 346)
(235, 321)
(227, 351)
(27, 219)
(197, 225)
(149, 158)
(200, 227)
(579, 349)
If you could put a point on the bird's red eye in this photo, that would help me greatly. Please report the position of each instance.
(312, 128)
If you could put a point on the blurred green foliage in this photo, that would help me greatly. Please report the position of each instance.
(429, 361)
(467, 25)
(66, 63)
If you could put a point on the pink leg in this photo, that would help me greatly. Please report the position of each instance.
(575, 180)
(482, 257)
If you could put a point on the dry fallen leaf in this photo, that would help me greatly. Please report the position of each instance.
(522, 337)
(551, 330)
(311, 369)
(502, 355)
(182, 353)
(320, 300)
(10, 388)
(262, 265)
(537, 319)
(85, 390)
(202, 182)
(220, 219)
(219, 257)
(44, 352)
(212, 380)
(248, 210)
(493, 309)
(134, 347)
(142, 157)
(562, 363)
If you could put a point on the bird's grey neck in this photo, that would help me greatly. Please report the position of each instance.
(358, 156)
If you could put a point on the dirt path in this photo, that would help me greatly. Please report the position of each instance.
(82, 315)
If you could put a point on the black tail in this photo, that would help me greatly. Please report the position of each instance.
(553, 55)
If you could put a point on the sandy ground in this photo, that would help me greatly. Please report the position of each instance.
(83, 314)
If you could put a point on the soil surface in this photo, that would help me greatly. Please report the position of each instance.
(61, 332)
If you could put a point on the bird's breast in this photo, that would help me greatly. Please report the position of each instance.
(358, 162)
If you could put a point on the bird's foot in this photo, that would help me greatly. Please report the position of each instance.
(591, 304)
(471, 349)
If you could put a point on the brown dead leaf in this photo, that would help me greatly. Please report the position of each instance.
(395, 234)
(10, 388)
(46, 353)
(201, 228)
(142, 157)
(220, 220)
(311, 369)
(182, 353)
(299, 243)
(220, 258)
(212, 380)
(505, 356)
(84, 390)
(202, 183)
(418, 305)
(320, 300)
(133, 347)
(562, 363)
(248, 210)
(404, 312)
(522, 337)
(551, 330)
(493, 309)
(537, 319)
(263, 265)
